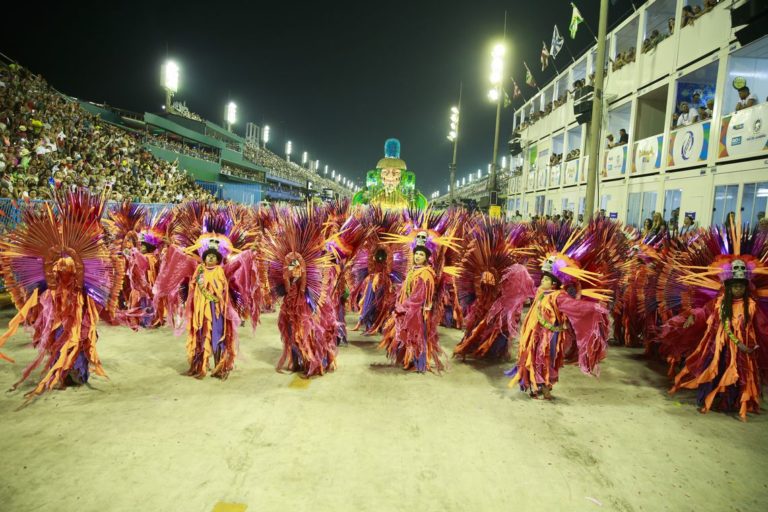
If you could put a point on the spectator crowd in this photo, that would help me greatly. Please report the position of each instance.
(49, 142)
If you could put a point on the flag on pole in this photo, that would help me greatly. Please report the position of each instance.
(507, 100)
(515, 89)
(529, 76)
(544, 56)
(575, 20)
(557, 43)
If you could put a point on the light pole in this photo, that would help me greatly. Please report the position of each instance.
(496, 94)
(170, 82)
(453, 136)
(288, 149)
(597, 112)
(231, 114)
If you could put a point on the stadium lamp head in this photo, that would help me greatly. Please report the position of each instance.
(231, 112)
(171, 76)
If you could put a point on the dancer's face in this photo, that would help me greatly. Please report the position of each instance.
(738, 290)
(211, 260)
(419, 258)
(546, 283)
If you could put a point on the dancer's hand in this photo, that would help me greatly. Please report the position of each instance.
(746, 349)
(689, 322)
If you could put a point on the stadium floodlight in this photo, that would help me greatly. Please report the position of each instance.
(333, 173)
(231, 114)
(317, 165)
(265, 135)
(503, 162)
(170, 81)
(463, 181)
(288, 149)
(493, 94)
(326, 169)
(304, 157)
(470, 178)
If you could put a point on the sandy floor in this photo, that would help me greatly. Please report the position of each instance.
(366, 438)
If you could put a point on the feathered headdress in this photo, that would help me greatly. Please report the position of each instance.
(735, 254)
(221, 233)
(156, 231)
(297, 240)
(64, 237)
(571, 256)
(125, 221)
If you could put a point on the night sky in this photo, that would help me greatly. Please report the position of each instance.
(335, 78)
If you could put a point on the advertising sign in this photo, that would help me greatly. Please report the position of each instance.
(615, 162)
(647, 155)
(689, 144)
(542, 181)
(571, 171)
(745, 132)
(554, 176)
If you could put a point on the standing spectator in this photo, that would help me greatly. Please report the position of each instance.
(623, 137)
(609, 141)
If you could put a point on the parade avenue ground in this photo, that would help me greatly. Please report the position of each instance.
(367, 437)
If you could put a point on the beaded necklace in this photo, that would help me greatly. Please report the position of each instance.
(201, 286)
(543, 321)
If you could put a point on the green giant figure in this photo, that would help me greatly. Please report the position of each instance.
(390, 185)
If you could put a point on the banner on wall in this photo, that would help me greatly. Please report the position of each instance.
(572, 171)
(532, 154)
(542, 181)
(689, 144)
(615, 162)
(745, 132)
(554, 176)
(647, 155)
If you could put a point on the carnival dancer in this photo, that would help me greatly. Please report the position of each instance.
(377, 270)
(410, 335)
(61, 273)
(565, 315)
(219, 289)
(732, 353)
(494, 286)
(295, 252)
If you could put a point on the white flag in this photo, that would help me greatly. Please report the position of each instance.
(557, 43)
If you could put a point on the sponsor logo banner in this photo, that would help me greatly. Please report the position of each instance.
(554, 176)
(647, 155)
(744, 133)
(689, 144)
(615, 162)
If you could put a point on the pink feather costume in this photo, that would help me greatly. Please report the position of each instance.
(62, 275)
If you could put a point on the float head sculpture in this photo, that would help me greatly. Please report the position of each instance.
(391, 185)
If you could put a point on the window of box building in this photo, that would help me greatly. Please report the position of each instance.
(754, 202)
(726, 198)
(625, 43)
(748, 67)
(561, 89)
(695, 96)
(651, 113)
(671, 213)
(618, 120)
(573, 138)
(660, 23)
(695, 9)
(579, 73)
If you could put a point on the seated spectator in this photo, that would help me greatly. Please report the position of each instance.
(687, 116)
(609, 141)
(623, 137)
(697, 11)
(688, 226)
(671, 25)
(709, 5)
(703, 114)
(746, 99)
(710, 107)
